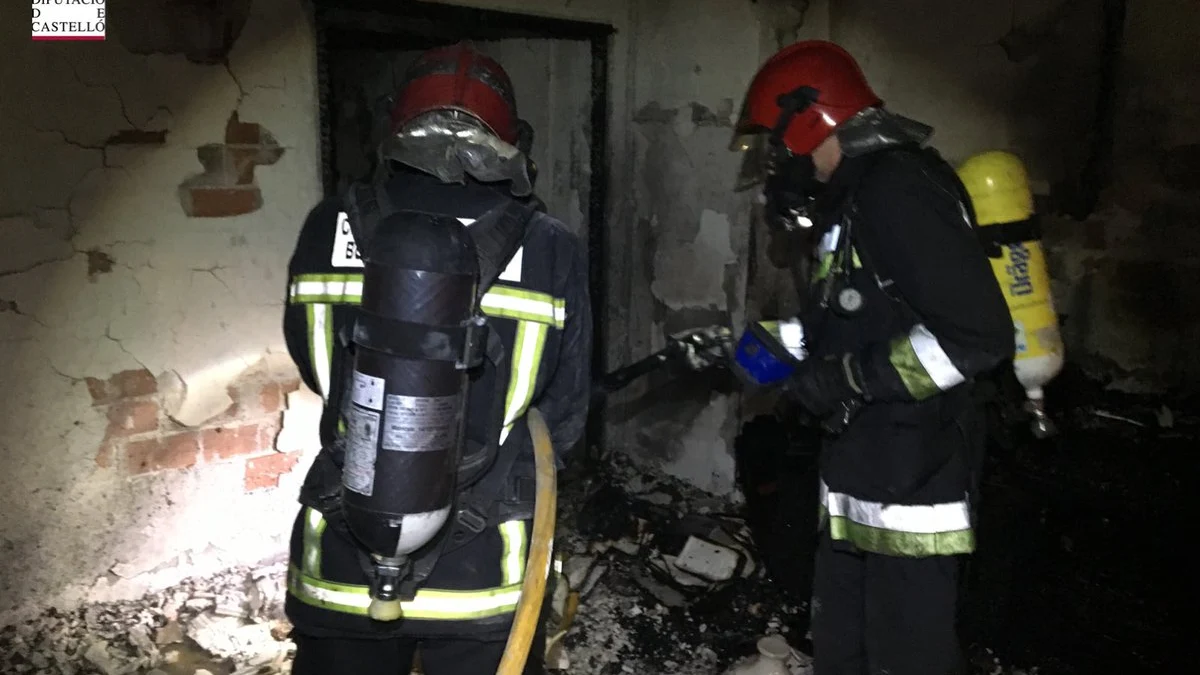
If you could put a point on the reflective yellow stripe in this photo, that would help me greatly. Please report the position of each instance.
(320, 344)
(502, 302)
(923, 364)
(337, 289)
(825, 266)
(512, 533)
(534, 311)
(518, 303)
(526, 362)
(916, 530)
(429, 603)
(314, 527)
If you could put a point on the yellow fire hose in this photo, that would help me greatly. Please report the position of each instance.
(537, 569)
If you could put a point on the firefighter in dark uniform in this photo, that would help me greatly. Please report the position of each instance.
(458, 149)
(904, 313)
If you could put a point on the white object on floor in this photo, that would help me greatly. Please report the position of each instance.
(772, 659)
(708, 560)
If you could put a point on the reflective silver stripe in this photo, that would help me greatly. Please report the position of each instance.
(791, 336)
(319, 325)
(914, 519)
(935, 360)
(314, 527)
(512, 533)
(526, 362)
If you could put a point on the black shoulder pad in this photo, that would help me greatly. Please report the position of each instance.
(364, 211)
(497, 240)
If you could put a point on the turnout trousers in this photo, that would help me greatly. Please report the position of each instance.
(394, 656)
(875, 614)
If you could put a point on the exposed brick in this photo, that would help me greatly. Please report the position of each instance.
(228, 442)
(129, 418)
(272, 396)
(269, 430)
(178, 451)
(125, 384)
(264, 472)
(98, 390)
(238, 132)
(221, 202)
(243, 159)
(133, 383)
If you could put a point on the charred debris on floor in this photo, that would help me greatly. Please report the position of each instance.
(656, 577)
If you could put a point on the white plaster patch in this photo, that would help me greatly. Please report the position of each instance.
(205, 393)
(692, 274)
(301, 422)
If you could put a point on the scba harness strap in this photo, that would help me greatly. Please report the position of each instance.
(490, 491)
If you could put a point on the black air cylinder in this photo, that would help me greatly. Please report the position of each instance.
(408, 388)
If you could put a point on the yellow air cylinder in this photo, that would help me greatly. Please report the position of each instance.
(999, 189)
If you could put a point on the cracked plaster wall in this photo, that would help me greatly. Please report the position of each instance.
(101, 272)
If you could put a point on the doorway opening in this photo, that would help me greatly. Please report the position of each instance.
(559, 70)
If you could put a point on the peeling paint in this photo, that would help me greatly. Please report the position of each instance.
(692, 274)
(654, 113)
(703, 116)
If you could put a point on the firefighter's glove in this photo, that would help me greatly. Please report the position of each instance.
(703, 348)
(822, 386)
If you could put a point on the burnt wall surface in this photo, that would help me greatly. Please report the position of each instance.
(1021, 75)
(1099, 98)
(1129, 274)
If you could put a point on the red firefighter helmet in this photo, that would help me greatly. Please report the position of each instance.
(829, 80)
(459, 78)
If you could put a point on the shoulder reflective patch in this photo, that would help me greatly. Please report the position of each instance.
(517, 303)
(345, 249)
(346, 253)
(513, 271)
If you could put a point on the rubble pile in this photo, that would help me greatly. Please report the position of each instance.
(667, 580)
(229, 624)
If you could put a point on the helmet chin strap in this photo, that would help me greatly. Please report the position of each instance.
(791, 185)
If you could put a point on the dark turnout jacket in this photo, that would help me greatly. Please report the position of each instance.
(898, 479)
(539, 307)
